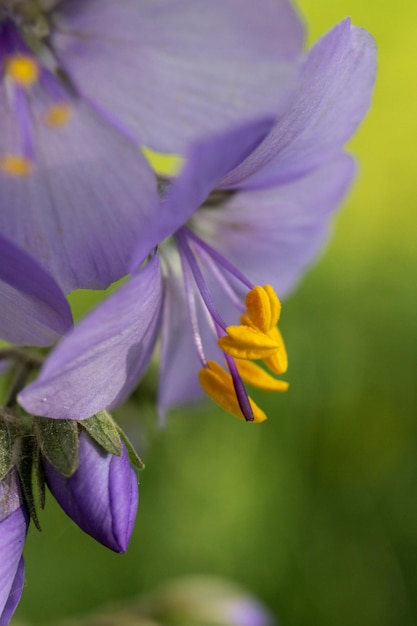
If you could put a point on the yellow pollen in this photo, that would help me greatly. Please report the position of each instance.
(218, 385)
(257, 337)
(263, 307)
(15, 165)
(246, 342)
(58, 115)
(22, 69)
(278, 362)
(255, 375)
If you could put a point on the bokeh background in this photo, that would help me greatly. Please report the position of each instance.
(315, 511)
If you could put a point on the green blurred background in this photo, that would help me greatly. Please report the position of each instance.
(315, 510)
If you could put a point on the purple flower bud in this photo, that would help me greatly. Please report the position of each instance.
(207, 600)
(14, 521)
(101, 496)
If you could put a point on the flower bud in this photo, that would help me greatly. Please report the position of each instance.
(101, 496)
(14, 521)
(205, 600)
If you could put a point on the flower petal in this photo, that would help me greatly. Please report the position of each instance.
(101, 360)
(272, 235)
(333, 96)
(206, 163)
(173, 71)
(14, 595)
(14, 520)
(79, 212)
(33, 309)
(101, 496)
(179, 364)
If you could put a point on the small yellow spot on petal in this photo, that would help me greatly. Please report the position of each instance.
(15, 165)
(168, 165)
(218, 385)
(247, 342)
(22, 69)
(255, 375)
(58, 115)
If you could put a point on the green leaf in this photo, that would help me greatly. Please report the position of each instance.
(38, 477)
(6, 447)
(24, 467)
(58, 441)
(102, 428)
(134, 458)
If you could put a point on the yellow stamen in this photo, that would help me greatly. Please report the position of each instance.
(218, 385)
(257, 337)
(23, 69)
(246, 342)
(58, 115)
(278, 362)
(263, 308)
(255, 375)
(15, 165)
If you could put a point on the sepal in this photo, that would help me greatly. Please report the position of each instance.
(58, 441)
(134, 457)
(6, 448)
(25, 470)
(102, 428)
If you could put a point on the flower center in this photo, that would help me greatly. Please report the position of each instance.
(30, 17)
(30, 78)
(256, 338)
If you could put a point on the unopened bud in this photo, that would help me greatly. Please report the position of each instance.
(101, 496)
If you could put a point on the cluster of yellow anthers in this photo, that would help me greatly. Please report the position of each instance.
(23, 71)
(256, 338)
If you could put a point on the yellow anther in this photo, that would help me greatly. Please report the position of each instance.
(255, 375)
(23, 69)
(15, 165)
(263, 308)
(218, 385)
(58, 115)
(278, 362)
(246, 342)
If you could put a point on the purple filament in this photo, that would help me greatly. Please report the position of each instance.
(240, 389)
(218, 258)
(191, 306)
(185, 249)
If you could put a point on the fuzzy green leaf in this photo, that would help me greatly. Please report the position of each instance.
(6, 446)
(25, 467)
(102, 428)
(58, 441)
(38, 477)
(134, 458)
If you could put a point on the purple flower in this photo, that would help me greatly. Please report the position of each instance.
(33, 309)
(251, 207)
(14, 521)
(84, 83)
(206, 600)
(101, 496)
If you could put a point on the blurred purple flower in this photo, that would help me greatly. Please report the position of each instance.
(101, 496)
(14, 521)
(247, 611)
(243, 200)
(206, 600)
(33, 309)
(82, 84)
